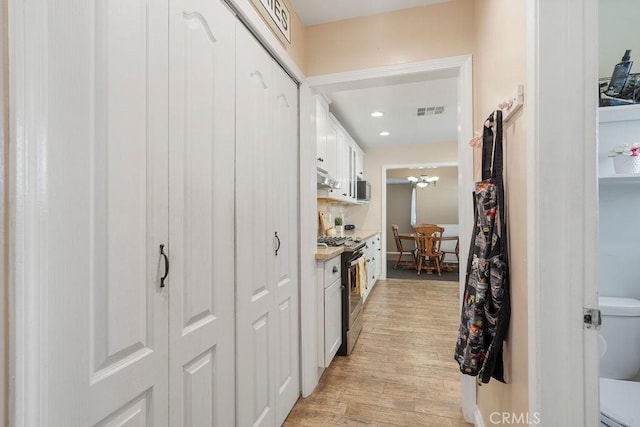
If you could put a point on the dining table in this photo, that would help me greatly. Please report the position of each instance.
(412, 237)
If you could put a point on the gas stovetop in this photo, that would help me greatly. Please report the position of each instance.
(332, 241)
(348, 243)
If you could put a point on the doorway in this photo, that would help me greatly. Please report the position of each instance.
(455, 66)
(407, 204)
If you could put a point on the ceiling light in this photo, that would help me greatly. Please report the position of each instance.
(385, 133)
(377, 114)
(424, 180)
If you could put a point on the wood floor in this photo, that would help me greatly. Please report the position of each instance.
(401, 372)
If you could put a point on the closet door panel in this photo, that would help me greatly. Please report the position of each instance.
(128, 211)
(285, 219)
(255, 238)
(103, 203)
(201, 284)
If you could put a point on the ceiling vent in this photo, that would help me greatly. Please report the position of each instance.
(430, 111)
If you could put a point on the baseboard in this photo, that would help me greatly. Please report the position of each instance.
(477, 418)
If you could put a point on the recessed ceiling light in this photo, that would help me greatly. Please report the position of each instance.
(377, 114)
(385, 133)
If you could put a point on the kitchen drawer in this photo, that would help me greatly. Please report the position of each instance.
(331, 271)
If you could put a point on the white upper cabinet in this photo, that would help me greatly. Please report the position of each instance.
(338, 154)
(359, 163)
(322, 119)
(331, 155)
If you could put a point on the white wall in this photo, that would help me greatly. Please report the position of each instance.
(619, 243)
(618, 31)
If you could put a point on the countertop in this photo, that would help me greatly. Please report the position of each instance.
(362, 234)
(324, 254)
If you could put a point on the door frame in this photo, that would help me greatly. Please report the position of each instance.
(385, 169)
(562, 210)
(341, 81)
(4, 185)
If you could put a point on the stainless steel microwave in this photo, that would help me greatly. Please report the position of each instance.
(364, 190)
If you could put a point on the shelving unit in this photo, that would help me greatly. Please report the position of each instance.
(619, 202)
(620, 179)
(619, 113)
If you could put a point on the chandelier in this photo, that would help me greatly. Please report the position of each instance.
(423, 181)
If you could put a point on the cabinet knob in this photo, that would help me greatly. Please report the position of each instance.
(335, 269)
(320, 159)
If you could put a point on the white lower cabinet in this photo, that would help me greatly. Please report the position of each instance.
(332, 321)
(329, 309)
(372, 253)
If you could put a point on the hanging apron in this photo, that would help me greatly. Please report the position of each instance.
(486, 307)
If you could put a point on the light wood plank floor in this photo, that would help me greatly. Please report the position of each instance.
(401, 372)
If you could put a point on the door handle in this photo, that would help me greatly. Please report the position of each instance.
(166, 266)
(278, 243)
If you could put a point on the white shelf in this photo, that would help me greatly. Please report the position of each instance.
(619, 113)
(620, 179)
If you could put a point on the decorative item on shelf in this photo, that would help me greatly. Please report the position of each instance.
(339, 226)
(626, 158)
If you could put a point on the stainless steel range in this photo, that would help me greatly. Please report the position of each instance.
(351, 299)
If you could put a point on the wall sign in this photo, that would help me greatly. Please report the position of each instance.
(280, 15)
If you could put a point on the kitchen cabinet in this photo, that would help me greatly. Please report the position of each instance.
(338, 154)
(329, 310)
(322, 121)
(359, 163)
(372, 253)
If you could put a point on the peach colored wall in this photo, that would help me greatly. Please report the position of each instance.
(369, 216)
(295, 49)
(409, 35)
(398, 211)
(498, 68)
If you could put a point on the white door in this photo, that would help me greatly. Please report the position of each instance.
(285, 222)
(128, 337)
(201, 168)
(266, 223)
(106, 217)
(255, 236)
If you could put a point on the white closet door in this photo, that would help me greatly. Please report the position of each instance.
(128, 205)
(267, 318)
(202, 116)
(285, 222)
(255, 238)
(102, 216)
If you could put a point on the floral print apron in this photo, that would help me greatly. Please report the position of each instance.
(486, 307)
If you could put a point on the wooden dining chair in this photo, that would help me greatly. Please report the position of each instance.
(428, 241)
(401, 250)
